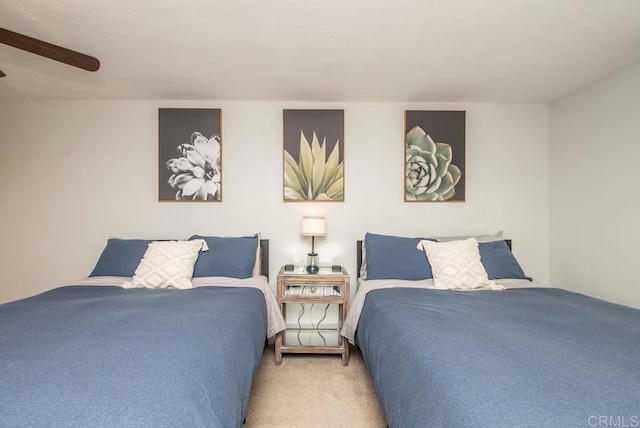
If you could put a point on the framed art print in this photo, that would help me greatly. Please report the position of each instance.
(190, 154)
(313, 155)
(434, 169)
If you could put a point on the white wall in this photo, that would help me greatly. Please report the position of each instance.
(594, 152)
(75, 173)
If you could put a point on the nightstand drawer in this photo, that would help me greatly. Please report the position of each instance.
(312, 289)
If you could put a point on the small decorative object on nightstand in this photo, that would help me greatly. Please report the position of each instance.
(324, 287)
(313, 226)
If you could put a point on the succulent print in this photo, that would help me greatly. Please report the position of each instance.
(315, 176)
(195, 174)
(430, 175)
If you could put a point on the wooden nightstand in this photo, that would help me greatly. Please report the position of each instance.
(325, 287)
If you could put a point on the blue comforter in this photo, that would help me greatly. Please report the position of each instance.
(83, 356)
(527, 357)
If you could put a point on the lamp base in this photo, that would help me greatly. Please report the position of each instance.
(312, 263)
(313, 269)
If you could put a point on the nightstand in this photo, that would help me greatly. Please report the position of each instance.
(323, 288)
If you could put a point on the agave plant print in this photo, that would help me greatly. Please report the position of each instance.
(313, 155)
(190, 154)
(434, 169)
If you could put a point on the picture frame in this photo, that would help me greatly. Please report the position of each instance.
(434, 144)
(313, 150)
(190, 155)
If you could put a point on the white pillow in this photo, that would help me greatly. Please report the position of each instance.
(498, 236)
(363, 266)
(167, 264)
(456, 265)
(256, 266)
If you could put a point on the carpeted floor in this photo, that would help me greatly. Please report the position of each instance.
(309, 391)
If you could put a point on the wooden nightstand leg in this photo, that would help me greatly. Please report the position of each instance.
(345, 352)
(278, 352)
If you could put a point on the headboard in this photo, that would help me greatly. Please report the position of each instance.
(359, 254)
(264, 257)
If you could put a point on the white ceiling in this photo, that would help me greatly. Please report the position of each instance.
(321, 50)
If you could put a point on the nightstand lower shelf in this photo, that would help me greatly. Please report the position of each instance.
(342, 349)
(311, 341)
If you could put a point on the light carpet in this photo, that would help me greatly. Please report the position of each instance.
(309, 391)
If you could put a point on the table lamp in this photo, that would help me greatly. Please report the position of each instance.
(313, 226)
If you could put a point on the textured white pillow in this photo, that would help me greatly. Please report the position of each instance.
(363, 266)
(167, 264)
(498, 236)
(256, 266)
(456, 265)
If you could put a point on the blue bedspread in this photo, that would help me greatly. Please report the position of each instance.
(527, 357)
(83, 356)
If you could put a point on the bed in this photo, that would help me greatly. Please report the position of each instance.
(525, 356)
(97, 354)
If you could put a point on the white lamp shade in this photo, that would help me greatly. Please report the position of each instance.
(313, 226)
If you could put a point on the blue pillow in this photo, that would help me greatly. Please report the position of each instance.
(394, 257)
(231, 257)
(120, 257)
(499, 261)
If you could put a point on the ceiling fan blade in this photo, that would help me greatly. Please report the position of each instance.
(2, 74)
(48, 50)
